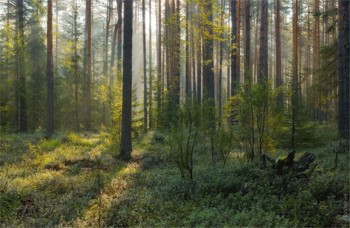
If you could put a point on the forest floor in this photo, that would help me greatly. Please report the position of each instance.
(74, 180)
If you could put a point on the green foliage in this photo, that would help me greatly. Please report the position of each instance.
(10, 204)
(49, 144)
(253, 111)
(66, 182)
(183, 145)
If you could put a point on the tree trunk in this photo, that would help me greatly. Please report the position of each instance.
(255, 62)
(174, 61)
(238, 42)
(208, 44)
(125, 144)
(145, 115)
(187, 53)
(295, 71)
(199, 60)
(150, 68)
(50, 78)
(76, 67)
(119, 37)
(343, 69)
(279, 81)
(87, 67)
(159, 60)
(234, 52)
(108, 21)
(247, 73)
(22, 124)
(221, 57)
(263, 54)
(316, 44)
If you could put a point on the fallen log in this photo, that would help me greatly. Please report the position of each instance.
(288, 163)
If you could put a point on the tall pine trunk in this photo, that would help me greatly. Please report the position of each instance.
(159, 60)
(87, 67)
(50, 79)
(126, 144)
(263, 54)
(145, 115)
(119, 36)
(21, 120)
(187, 53)
(247, 74)
(150, 67)
(343, 69)
(279, 81)
(208, 45)
(295, 71)
(234, 52)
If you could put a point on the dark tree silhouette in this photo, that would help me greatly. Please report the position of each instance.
(126, 145)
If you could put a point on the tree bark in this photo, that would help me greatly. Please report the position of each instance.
(126, 144)
(263, 53)
(247, 73)
(343, 69)
(187, 53)
(279, 81)
(159, 60)
(50, 78)
(295, 71)
(87, 67)
(150, 67)
(145, 111)
(22, 123)
(208, 61)
(119, 36)
(234, 52)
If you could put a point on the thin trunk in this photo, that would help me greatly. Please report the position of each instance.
(263, 53)
(208, 44)
(238, 42)
(316, 44)
(87, 67)
(159, 59)
(279, 81)
(119, 37)
(221, 57)
(56, 53)
(108, 21)
(150, 68)
(255, 63)
(295, 71)
(247, 63)
(199, 61)
(234, 51)
(22, 123)
(187, 53)
(76, 65)
(193, 56)
(145, 115)
(50, 78)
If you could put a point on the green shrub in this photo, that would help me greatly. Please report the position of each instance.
(49, 144)
(10, 204)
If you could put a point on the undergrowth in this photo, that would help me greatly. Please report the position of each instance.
(73, 180)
